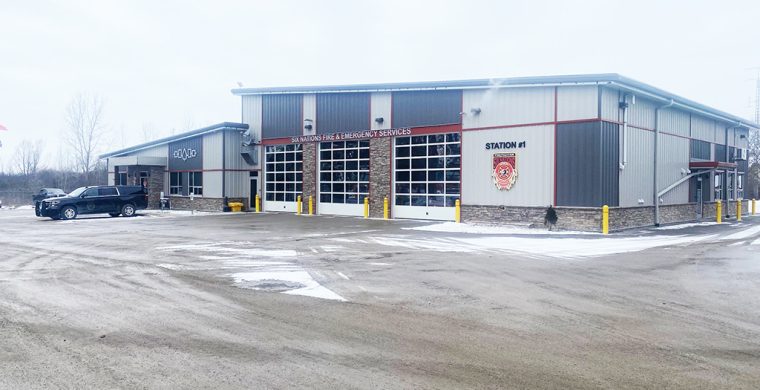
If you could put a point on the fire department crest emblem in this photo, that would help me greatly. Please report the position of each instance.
(504, 170)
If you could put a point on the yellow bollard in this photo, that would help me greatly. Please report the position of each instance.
(311, 205)
(298, 205)
(458, 211)
(366, 207)
(718, 211)
(605, 219)
(753, 207)
(258, 203)
(385, 207)
(739, 210)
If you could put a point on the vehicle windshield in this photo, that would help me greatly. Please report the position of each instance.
(77, 192)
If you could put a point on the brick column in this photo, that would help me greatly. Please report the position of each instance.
(310, 170)
(155, 186)
(379, 175)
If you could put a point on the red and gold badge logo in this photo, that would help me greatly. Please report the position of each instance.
(504, 170)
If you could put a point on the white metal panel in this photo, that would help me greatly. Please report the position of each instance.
(610, 109)
(381, 106)
(507, 106)
(535, 167)
(356, 210)
(719, 133)
(272, 205)
(212, 150)
(641, 114)
(574, 103)
(232, 158)
(702, 128)
(111, 178)
(673, 165)
(674, 121)
(636, 180)
(434, 213)
(252, 114)
(310, 112)
(156, 151)
(212, 184)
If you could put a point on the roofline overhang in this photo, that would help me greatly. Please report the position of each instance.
(182, 136)
(612, 80)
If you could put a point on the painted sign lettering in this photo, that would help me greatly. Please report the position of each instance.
(352, 135)
(505, 145)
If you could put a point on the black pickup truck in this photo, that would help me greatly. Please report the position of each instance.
(112, 200)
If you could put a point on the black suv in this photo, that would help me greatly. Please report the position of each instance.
(113, 200)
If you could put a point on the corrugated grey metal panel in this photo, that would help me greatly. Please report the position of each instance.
(212, 184)
(700, 149)
(610, 109)
(535, 167)
(586, 154)
(381, 108)
(500, 107)
(158, 151)
(238, 184)
(674, 121)
(341, 112)
(574, 103)
(672, 164)
(252, 114)
(636, 180)
(641, 114)
(719, 133)
(281, 116)
(610, 154)
(310, 112)
(212, 150)
(702, 128)
(426, 108)
(732, 136)
(232, 146)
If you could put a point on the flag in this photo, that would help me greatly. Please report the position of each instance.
(3, 128)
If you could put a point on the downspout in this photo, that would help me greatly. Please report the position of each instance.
(656, 146)
(624, 106)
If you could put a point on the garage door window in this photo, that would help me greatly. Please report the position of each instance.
(427, 170)
(343, 172)
(284, 172)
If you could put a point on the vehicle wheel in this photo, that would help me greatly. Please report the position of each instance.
(68, 212)
(113, 214)
(128, 210)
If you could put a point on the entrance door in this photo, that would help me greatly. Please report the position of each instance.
(254, 192)
(699, 197)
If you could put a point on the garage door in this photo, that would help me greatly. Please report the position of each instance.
(343, 177)
(427, 176)
(283, 177)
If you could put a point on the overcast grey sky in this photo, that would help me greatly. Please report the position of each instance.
(171, 64)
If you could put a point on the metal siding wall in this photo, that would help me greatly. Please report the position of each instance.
(507, 106)
(309, 112)
(610, 154)
(672, 165)
(581, 102)
(252, 114)
(702, 128)
(641, 114)
(232, 158)
(636, 179)
(157, 151)
(535, 167)
(238, 184)
(674, 121)
(281, 116)
(341, 112)
(212, 184)
(578, 164)
(426, 108)
(719, 133)
(212, 151)
(700, 149)
(381, 108)
(194, 163)
(610, 108)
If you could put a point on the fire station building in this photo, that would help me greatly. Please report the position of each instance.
(505, 148)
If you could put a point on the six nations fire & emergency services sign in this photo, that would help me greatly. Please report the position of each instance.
(504, 170)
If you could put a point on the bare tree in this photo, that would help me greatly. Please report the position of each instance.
(754, 146)
(27, 158)
(85, 130)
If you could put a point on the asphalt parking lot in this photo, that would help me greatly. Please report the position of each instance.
(279, 301)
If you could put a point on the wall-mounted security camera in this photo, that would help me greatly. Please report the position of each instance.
(379, 120)
(308, 124)
(475, 111)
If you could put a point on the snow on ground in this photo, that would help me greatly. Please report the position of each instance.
(742, 234)
(559, 247)
(756, 242)
(256, 270)
(686, 225)
(453, 227)
(24, 207)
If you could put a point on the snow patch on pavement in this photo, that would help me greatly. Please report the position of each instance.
(286, 279)
(746, 233)
(453, 227)
(686, 225)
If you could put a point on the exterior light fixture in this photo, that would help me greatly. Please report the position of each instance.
(475, 111)
(308, 124)
(379, 120)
